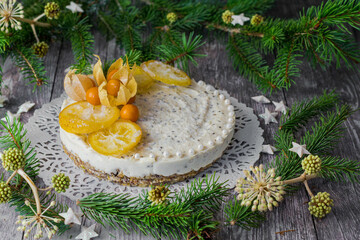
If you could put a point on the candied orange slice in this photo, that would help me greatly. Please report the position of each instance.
(166, 73)
(119, 138)
(82, 117)
(143, 80)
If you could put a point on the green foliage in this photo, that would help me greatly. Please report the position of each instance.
(82, 42)
(31, 66)
(242, 216)
(301, 112)
(188, 212)
(340, 169)
(182, 54)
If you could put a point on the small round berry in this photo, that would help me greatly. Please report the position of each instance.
(113, 87)
(158, 195)
(130, 112)
(227, 16)
(166, 154)
(60, 182)
(171, 17)
(40, 49)
(200, 147)
(256, 19)
(221, 97)
(227, 101)
(5, 192)
(311, 164)
(137, 156)
(52, 10)
(178, 154)
(320, 205)
(13, 159)
(92, 96)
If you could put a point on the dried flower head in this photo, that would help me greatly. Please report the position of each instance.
(171, 17)
(260, 189)
(227, 16)
(40, 49)
(13, 159)
(40, 222)
(61, 182)
(52, 10)
(158, 195)
(320, 205)
(311, 164)
(10, 10)
(5, 192)
(256, 19)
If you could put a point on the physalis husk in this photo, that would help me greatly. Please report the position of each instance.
(119, 138)
(128, 86)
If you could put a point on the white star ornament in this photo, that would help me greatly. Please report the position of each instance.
(299, 149)
(269, 116)
(87, 233)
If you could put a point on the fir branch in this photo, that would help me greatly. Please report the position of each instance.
(249, 62)
(82, 43)
(31, 66)
(300, 113)
(242, 216)
(327, 132)
(340, 169)
(286, 66)
(196, 203)
(183, 54)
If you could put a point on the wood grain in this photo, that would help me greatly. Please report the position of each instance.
(216, 69)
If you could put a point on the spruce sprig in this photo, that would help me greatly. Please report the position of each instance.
(82, 42)
(184, 53)
(301, 112)
(31, 66)
(188, 211)
(339, 169)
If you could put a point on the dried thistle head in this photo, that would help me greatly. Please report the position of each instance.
(260, 189)
(10, 10)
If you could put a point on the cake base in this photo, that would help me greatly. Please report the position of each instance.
(120, 178)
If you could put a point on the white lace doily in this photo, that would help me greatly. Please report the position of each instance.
(43, 132)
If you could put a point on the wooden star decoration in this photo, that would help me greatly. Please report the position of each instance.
(87, 233)
(269, 116)
(70, 217)
(280, 107)
(73, 7)
(239, 19)
(299, 149)
(261, 99)
(268, 149)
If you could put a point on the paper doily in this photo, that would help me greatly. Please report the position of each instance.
(43, 132)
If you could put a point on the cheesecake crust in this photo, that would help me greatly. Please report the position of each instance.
(120, 178)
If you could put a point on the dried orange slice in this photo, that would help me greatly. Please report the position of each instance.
(119, 138)
(166, 73)
(143, 80)
(82, 117)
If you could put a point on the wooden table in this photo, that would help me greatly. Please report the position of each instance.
(344, 220)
